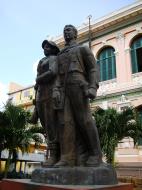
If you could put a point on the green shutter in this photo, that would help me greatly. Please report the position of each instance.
(137, 43)
(134, 61)
(107, 65)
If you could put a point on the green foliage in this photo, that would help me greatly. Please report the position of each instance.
(15, 133)
(113, 126)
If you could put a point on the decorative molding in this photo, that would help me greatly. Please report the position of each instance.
(106, 86)
(137, 74)
(127, 50)
(138, 29)
(137, 78)
(119, 36)
(116, 52)
(104, 42)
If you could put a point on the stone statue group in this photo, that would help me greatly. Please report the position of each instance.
(66, 80)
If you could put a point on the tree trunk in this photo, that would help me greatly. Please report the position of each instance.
(0, 162)
(7, 163)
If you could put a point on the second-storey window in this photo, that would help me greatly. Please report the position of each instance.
(136, 55)
(107, 65)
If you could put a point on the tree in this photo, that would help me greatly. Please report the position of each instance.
(113, 126)
(16, 133)
(3, 132)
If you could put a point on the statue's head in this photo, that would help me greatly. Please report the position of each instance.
(50, 48)
(70, 32)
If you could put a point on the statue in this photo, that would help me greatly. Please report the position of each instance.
(46, 76)
(76, 83)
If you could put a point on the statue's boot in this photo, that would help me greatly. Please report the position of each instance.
(94, 149)
(94, 161)
(54, 156)
(65, 163)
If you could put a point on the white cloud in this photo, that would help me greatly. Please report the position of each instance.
(3, 94)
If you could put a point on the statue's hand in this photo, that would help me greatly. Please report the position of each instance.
(36, 86)
(91, 93)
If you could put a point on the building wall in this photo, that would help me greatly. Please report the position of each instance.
(23, 97)
(121, 41)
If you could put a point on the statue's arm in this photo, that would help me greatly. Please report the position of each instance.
(45, 77)
(48, 75)
(91, 71)
(91, 67)
(57, 92)
(38, 74)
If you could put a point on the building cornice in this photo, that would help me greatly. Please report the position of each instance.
(112, 19)
(137, 89)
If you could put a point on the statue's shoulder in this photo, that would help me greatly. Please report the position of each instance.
(42, 59)
(84, 49)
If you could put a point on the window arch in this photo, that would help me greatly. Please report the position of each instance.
(107, 64)
(136, 55)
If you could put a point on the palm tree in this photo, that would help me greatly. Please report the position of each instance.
(138, 134)
(16, 133)
(106, 121)
(113, 126)
(2, 135)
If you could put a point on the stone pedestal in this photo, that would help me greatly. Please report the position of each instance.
(100, 175)
(26, 184)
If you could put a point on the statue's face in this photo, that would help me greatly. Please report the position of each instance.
(69, 33)
(47, 50)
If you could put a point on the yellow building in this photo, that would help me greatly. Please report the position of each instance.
(19, 95)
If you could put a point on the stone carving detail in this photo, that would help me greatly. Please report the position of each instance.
(137, 78)
(104, 42)
(119, 36)
(138, 29)
(127, 50)
(106, 86)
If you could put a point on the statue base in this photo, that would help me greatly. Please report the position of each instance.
(26, 184)
(103, 174)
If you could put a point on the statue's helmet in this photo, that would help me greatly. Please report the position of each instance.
(52, 44)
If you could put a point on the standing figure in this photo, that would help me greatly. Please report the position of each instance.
(78, 81)
(46, 76)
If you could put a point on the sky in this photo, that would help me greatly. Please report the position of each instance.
(24, 24)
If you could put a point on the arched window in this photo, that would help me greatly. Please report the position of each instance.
(136, 55)
(107, 65)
